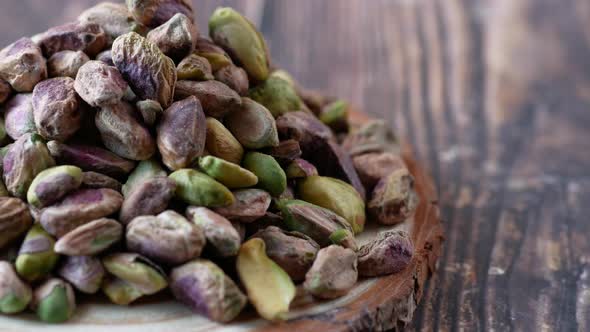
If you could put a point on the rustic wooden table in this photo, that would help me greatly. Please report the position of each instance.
(494, 95)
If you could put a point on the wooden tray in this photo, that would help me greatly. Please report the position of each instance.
(374, 304)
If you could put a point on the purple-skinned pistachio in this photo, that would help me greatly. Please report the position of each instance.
(150, 73)
(372, 167)
(105, 57)
(120, 292)
(333, 273)
(18, 116)
(5, 91)
(216, 56)
(300, 168)
(217, 98)
(138, 271)
(394, 198)
(249, 205)
(374, 136)
(15, 294)
(99, 84)
(123, 133)
(223, 239)
(150, 111)
(253, 125)
(85, 273)
(154, 13)
(95, 180)
(287, 151)
(25, 158)
(36, 257)
(76, 36)
(149, 197)
(304, 128)
(53, 184)
(389, 253)
(114, 18)
(91, 238)
(168, 238)
(22, 65)
(221, 143)
(181, 133)
(145, 170)
(176, 38)
(207, 290)
(292, 251)
(56, 108)
(194, 67)
(79, 208)
(15, 220)
(66, 63)
(234, 77)
(90, 158)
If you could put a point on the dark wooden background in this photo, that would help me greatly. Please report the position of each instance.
(494, 95)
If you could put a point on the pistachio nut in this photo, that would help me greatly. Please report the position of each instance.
(196, 188)
(3, 191)
(22, 65)
(223, 240)
(54, 301)
(234, 77)
(269, 287)
(150, 111)
(145, 169)
(181, 133)
(66, 63)
(150, 73)
(120, 292)
(300, 168)
(277, 95)
(79, 208)
(253, 126)
(53, 184)
(207, 290)
(99, 84)
(123, 133)
(322, 225)
(105, 57)
(168, 238)
(374, 136)
(76, 36)
(333, 273)
(195, 68)
(85, 273)
(149, 197)
(114, 19)
(394, 198)
(267, 220)
(216, 56)
(249, 205)
(15, 220)
(15, 295)
(176, 38)
(217, 99)
(271, 176)
(305, 128)
(314, 100)
(229, 174)
(56, 108)
(137, 271)
(5, 91)
(390, 252)
(294, 252)
(91, 238)
(154, 13)
(36, 257)
(335, 115)
(90, 158)
(335, 195)
(95, 180)
(285, 152)
(18, 116)
(238, 36)
(221, 143)
(373, 166)
(25, 158)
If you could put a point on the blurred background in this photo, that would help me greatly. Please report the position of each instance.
(494, 95)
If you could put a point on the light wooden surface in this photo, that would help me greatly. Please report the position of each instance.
(494, 95)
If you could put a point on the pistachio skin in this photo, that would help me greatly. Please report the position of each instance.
(15, 295)
(271, 176)
(145, 169)
(85, 273)
(76, 36)
(390, 252)
(52, 184)
(56, 108)
(66, 63)
(153, 13)
(253, 126)
(120, 292)
(222, 237)
(91, 238)
(374, 136)
(238, 36)
(372, 167)
(22, 65)
(234, 77)
(113, 18)
(95, 180)
(15, 220)
(249, 206)
(176, 38)
(196, 188)
(221, 142)
(99, 84)
(150, 197)
(231, 175)
(394, 198)
(18, 116)
(136, 270)
(218, 99)
(333, 273)
(54, 301)
(195, 68)
(216, 56)
(36, 257)
(277, 95)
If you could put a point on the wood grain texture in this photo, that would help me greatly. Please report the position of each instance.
(494, 95)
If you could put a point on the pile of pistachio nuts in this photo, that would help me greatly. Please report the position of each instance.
(140, 155)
